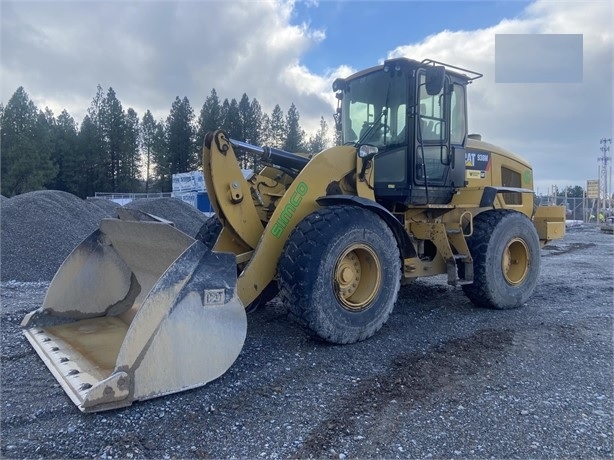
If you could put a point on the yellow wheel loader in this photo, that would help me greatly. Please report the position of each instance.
(140, 309)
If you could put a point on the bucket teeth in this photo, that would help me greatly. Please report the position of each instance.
(72, 377)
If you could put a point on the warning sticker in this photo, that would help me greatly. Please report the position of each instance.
(474, 174)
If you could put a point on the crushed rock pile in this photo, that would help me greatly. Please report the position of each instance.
(186, 218)
(107, 206)
(40, 229)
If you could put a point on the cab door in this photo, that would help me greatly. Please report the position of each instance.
(440, 127)
(432, 141)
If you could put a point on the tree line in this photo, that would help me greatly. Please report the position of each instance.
(113, 150)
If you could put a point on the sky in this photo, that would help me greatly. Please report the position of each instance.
(284, 52)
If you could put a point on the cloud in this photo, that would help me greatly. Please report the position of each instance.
(151, 52)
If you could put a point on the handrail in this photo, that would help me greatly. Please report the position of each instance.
(477, 74)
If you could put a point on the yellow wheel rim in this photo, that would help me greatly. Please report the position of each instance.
(515, 263)
(358, 277)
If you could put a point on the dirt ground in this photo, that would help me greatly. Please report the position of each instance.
(442, 379)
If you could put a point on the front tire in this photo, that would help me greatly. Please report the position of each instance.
(506, 259)
(339, 273)
(209, 232)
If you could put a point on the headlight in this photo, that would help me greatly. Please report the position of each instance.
(367, 151)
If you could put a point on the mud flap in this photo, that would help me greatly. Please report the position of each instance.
(138, 310)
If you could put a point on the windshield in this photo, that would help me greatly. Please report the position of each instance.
(374, 109)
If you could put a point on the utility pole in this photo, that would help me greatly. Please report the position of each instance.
(603, 177)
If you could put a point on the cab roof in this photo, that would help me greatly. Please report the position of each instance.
(460, 73)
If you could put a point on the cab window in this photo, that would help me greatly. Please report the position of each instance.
(458, 124)
(431, 111)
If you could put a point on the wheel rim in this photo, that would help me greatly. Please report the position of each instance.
(358, 277)
(515, 263)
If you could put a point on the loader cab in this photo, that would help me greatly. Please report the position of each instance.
(415, 114)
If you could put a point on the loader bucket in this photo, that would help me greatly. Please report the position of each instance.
(139, 309)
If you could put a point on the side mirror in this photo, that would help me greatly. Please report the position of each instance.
(435, 76)
(340, 85)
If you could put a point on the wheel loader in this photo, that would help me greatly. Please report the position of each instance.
(140, 309)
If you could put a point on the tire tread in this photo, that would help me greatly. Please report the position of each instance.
(296, 266)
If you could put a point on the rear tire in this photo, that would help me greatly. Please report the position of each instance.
(339, 273)
(506, 259)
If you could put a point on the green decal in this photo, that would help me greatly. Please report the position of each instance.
(289, 210)
(527, 176)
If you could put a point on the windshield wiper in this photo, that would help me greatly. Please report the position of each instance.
(376, 123)
(371, 128)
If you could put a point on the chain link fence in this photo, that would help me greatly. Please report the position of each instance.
(578, 208)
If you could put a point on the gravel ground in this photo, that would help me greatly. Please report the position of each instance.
(442, 379)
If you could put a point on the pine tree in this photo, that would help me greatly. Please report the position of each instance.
(232, 119)
(210, 119)
(161, 159)
(148, 138)
(113, 130)
(295, 137)
(181, 146)
(130, 165)
(92, 146)
(319, 141)
(254, 124)
(265, 134)
(243, 109)
(25, 158)
(254, 132)
(45, 124)
(66, 155)
(278, 130)
(250, 116)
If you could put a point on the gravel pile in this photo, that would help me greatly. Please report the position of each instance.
(186, 218)
(40, 229)
(107, 206)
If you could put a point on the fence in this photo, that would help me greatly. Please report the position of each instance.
(125, 198)
(578, 208)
